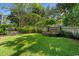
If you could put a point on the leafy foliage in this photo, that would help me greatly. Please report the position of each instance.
(72, 19)
(26, 29)
(46, 22)
(3, 29)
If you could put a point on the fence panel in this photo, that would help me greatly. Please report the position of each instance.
(73, 30)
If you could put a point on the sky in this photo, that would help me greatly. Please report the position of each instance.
(51, 4)
(7, 12)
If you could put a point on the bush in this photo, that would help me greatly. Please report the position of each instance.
(30, 29)
(38, 29)
(46, 22)
(3, 29)
(4, 26)
(22, 30)
(26, 29)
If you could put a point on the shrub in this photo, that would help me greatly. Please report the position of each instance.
(46, 22)
(38, 29)
(3, 29)
(21, 30)
(30, 29)
(26, 29)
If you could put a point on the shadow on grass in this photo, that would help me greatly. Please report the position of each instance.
(32, 43)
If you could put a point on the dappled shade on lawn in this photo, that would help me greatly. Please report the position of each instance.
(37, 44)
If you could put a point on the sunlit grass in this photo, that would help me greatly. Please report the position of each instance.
(37, 44)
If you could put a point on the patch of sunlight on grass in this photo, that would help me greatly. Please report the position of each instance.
(5, 51)
(58, 49)
(35, 44)
(28, 53)
(29, 34)
(28, 45)
(51, 47)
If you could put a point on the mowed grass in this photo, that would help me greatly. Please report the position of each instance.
(35, 44)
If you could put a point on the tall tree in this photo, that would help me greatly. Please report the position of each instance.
(20, 11)
(72, 18)
(38, 9)
(65, 7)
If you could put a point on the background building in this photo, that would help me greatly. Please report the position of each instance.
(3, 19)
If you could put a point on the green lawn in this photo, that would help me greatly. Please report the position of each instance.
(36, 44)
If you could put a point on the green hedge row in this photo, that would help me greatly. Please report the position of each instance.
(29, 29)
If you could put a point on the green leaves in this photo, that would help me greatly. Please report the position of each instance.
(46, 22)
(72, 19)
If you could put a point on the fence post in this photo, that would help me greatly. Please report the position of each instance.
(48, 29)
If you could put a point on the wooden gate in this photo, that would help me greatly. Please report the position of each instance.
(52, 30)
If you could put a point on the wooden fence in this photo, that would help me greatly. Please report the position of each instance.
(52, 30)
(65, 30)
(73, 30)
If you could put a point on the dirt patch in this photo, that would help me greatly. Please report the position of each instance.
(12, 33)
(1, 37)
